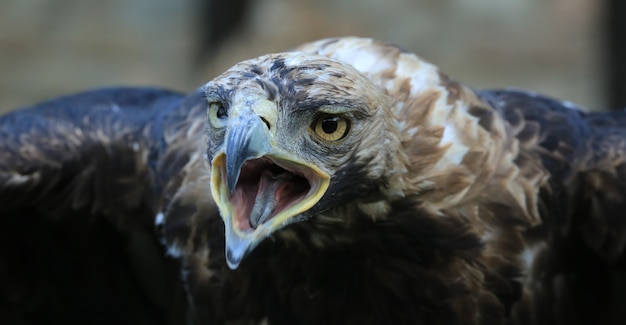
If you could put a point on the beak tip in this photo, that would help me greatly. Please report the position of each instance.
(233, 260)
(237, 247)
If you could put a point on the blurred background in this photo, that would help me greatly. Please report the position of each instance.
(569, 49)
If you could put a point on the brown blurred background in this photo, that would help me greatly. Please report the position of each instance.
(565, 48)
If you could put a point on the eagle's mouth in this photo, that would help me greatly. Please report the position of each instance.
(265, 189)
(269, 193)
(259, 188)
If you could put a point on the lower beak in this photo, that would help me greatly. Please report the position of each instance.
(259, 189)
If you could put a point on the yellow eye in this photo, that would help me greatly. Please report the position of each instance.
(331, 127)
(217, 113)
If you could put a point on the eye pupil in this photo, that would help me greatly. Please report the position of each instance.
(217, 114)
(329, 125)
(221, 111)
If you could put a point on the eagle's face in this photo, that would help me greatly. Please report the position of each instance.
(290, 136)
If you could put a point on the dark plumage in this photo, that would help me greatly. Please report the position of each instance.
(345, 182)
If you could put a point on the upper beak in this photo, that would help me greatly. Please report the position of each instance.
(247, 139)
(258, 188)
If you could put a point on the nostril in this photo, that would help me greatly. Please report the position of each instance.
(267, 123)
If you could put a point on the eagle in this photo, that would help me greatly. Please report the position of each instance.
(346, 181)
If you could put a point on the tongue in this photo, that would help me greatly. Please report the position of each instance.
(267, 197)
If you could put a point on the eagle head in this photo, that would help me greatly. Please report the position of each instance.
(292, 136)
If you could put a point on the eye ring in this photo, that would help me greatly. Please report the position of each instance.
(330, 127)
(217, 114)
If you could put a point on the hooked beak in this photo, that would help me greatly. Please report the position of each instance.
(259, 189)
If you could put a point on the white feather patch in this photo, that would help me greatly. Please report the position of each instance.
(487, 236)
(174, 251)
(412, 131)
(457, 150)
(17, 179)
(159, 219)
(529, 255)
(360, 60)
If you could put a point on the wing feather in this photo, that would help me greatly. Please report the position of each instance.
(51, 151)
(585, 155)
(80, 185)
(578, 251)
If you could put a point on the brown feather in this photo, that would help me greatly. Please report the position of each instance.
(446, 204)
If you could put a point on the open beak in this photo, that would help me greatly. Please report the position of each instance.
(259, 189)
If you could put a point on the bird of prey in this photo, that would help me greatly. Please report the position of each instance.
(346, 181)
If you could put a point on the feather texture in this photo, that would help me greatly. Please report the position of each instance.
(445, 204)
